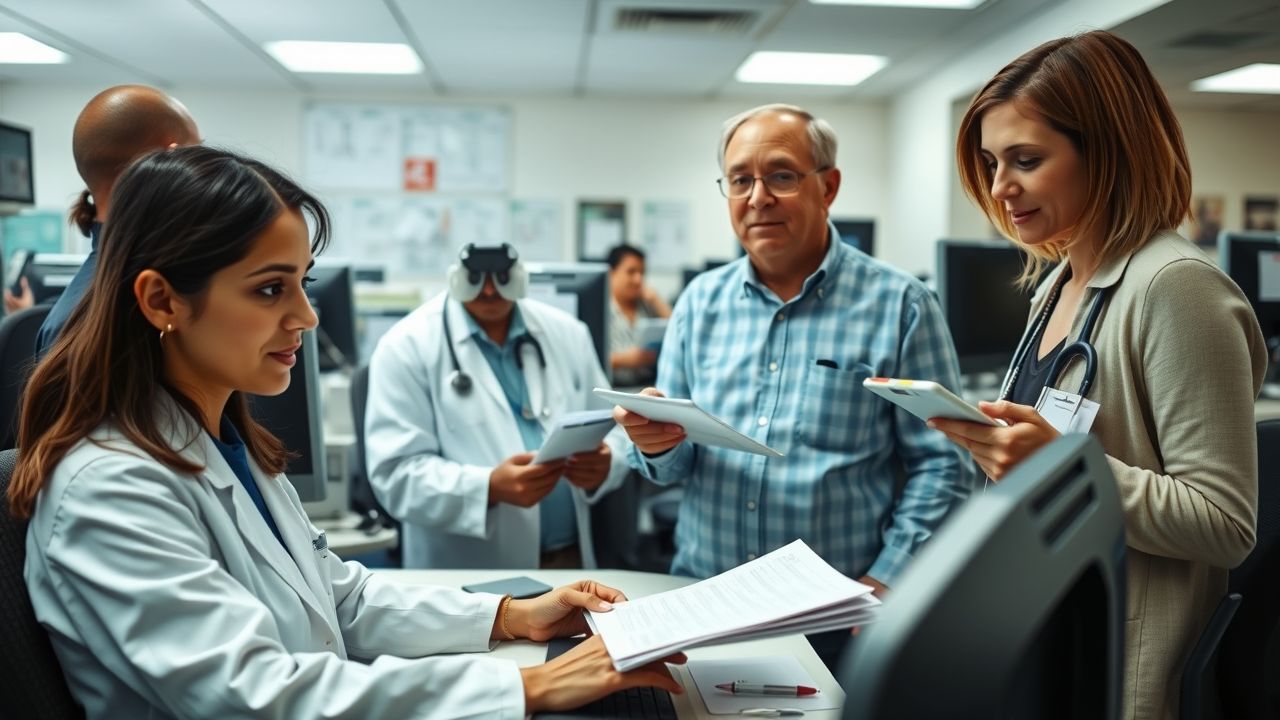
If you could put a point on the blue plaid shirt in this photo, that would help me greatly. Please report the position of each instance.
(748, 358)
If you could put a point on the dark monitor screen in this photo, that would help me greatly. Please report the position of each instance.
(986, 312)
(16, 181)
(1253, 262)
(858, 233)
(294, 416)
(50, 273)
(334, 301)
(1015, 608)
(589, 284)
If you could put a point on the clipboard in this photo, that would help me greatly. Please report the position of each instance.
(574, 433)
(699, 426)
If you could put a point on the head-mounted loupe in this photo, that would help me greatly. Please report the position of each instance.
(502, 263)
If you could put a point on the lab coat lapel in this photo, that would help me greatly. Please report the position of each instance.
(253, 527)
(297, 536)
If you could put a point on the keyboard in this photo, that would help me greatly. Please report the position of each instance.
(634, 703)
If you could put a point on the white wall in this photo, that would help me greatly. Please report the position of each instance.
(564, 149)
(1233, 154)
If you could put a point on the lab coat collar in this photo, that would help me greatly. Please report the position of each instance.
(194, 444)
(473, 362)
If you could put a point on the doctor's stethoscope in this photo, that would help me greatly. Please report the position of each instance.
(1081, 348)
(461, 382)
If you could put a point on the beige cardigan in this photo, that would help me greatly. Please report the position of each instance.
(1180, 361)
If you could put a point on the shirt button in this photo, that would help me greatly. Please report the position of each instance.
(762, 421)
(751, 504)
(751, 556)
(779, 317)
(773, 367)
(821, 293)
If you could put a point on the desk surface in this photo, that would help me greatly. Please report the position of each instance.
(346, 541)
(637, 584)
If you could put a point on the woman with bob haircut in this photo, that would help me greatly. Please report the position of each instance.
(167, 556)
(1073, 152)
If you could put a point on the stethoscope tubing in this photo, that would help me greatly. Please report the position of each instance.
(1081, 348)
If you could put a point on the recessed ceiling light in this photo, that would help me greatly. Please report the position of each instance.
(345, 57)
(18, 48)
(943, 4)
(1255, 78)
(796, 68)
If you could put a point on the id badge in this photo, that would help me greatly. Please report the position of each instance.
(1067, 412)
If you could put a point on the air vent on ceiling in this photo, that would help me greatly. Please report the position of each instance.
(666, 20)
(1215, 40)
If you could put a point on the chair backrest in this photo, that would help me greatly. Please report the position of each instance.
(1248, 666)
(31, 682)
(17, 357)
(361, 497)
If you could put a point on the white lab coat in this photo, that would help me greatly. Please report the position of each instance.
(429, 450)
(166, 595)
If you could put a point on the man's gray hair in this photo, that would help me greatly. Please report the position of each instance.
(822, 137)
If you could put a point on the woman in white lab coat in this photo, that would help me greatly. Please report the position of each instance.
(431, 450)
(168, 558)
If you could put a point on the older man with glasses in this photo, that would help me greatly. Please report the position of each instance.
(777, 344)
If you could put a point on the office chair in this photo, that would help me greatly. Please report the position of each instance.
(31, 682)
(1248, 671)
(363, 501)
(17, 356)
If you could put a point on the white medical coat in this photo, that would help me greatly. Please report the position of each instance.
(167, 596)
(429, 450)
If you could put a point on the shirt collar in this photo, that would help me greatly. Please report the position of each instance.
(515, 332)
(230, 436)
(824, 277)
(95, 231)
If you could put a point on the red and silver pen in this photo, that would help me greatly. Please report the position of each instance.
(746, 688)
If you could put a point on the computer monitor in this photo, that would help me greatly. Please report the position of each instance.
(295, 417)
(1014, 609)
(1252, 259)
(860, 233)
(334, 300)
(986, 312)
(17, 186)
(581, 289)
(50, 273)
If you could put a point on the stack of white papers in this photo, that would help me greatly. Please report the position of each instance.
(790, 590)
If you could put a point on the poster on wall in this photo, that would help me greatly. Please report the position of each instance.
(535, 229)
(1206, 220)
(602, 224)
(666, 234)
(1260, 212)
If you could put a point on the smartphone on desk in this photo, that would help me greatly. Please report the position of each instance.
(519, 588)
(926, 399)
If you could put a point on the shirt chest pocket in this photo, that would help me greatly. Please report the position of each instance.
(838, 414)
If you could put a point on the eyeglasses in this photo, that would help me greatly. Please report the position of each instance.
(780, 184)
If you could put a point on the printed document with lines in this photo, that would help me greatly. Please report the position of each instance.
(790, 590)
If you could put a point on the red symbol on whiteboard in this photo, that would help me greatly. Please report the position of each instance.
(419, 173)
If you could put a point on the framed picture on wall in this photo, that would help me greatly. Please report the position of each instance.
(1206, 219)
(1260, 212)
(602, 224)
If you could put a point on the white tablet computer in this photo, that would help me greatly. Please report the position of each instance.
(926, 399)
(574, 433)
(699, 425)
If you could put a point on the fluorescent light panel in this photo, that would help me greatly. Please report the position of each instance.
(938, 4)
(1256, 78)
(306, 56)
(796, 68)
(16, 48)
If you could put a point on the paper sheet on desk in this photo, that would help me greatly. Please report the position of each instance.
(789, 590)
(774, 670)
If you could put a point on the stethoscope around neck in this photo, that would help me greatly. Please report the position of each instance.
(1081, 348)
(460, 381)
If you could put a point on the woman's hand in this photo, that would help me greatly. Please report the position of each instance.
(559, 612)
(997, 450)
(586, 673)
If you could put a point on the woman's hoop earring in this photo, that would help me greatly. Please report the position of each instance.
(168, 328)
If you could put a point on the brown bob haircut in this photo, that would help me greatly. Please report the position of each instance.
(1096, 89)
(186, 213)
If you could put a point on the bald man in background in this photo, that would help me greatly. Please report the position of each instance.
(118, 125)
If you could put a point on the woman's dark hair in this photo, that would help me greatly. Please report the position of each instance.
(185, 213)
(620, 253)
